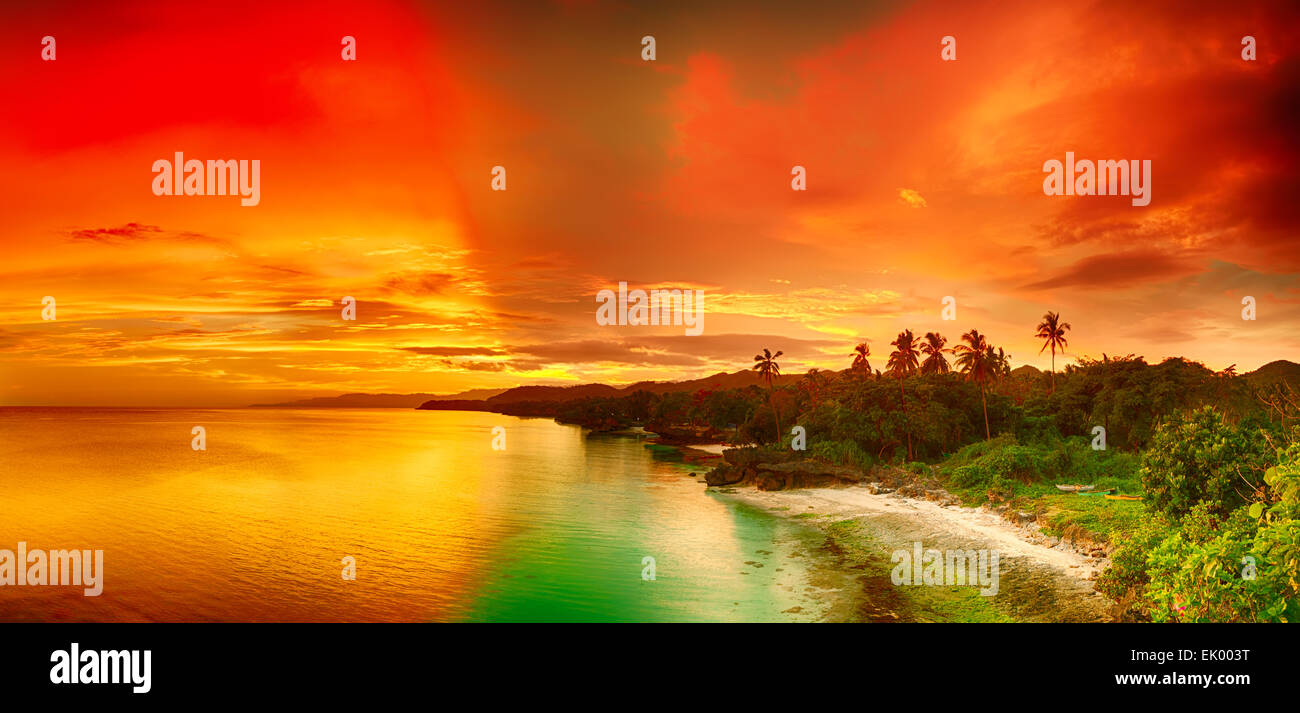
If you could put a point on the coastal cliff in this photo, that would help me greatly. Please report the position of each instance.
(768, 470)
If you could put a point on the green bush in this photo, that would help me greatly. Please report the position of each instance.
(1002, 464)
(842, 453)
(1243, 566)
(1126, 580)
(1196, 457)
(1244, 570)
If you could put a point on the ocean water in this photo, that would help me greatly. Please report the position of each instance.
(555, 527)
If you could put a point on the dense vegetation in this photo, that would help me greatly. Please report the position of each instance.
(1214, 455)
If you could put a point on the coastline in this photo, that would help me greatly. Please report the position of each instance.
(1040, 582)
(1044, 577)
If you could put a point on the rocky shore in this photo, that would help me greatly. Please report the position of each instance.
(767, 470)
(685, 435)
(877, 497)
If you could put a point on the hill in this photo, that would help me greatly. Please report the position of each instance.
(1275, 371)
(560, 394)
(381, 400)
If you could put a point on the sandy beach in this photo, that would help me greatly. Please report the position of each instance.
(1041, 582)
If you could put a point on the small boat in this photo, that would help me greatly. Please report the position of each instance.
(1123, 497)
(1100, 492)
(1074, 488)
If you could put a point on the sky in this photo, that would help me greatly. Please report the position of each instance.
(924, 180)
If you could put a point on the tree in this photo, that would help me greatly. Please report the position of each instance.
(1226, 382)
(1052, 331)
(767, 368)
(1002, 364)
(860, 354)
(975, 359)
(933, 349)
(814, 384)
(1197, 457)
(903, 363)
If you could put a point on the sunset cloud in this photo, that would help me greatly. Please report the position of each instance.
(924, 182)
(911, 198)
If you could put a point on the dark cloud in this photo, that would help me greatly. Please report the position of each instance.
(130, 231)
(454, 351)
(1117, 270)
(1223, 174)
(476, 365)
(422, 283)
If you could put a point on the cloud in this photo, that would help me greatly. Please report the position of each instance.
(476, 365)
(461, 286)
(135, 232)
(421, 283)
(728, 352)
(455, 351)
(130, 231)
(911, 198)
(1129, 269)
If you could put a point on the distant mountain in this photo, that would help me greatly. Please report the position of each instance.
(493, 399)
(558, 394)
(722, 380)
(554, 393)
(382, 400)
(1275, 371)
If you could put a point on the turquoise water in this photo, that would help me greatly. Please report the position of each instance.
(555, 527)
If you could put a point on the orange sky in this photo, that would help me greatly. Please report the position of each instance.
(924, 180)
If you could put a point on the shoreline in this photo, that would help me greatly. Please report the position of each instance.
(1043, 577)
(1040, 582)
(854, 501)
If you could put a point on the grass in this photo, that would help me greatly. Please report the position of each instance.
(1024, 476)
(913, 603)
(954, 604)
(1103, 519)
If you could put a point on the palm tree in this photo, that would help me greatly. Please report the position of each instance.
(932, 348)
(1052, 331)
(975, 359)
(902, 363)
(767, 368)
(1003, 363)
(814, 384)
(860, 354)
(1222, 390)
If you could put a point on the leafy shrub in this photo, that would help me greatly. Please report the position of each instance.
(1244, 566)
(1197, 457)
(842, 453)
(1002, 463)
(761, 426)
(1126, 580)
(1202, 582)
